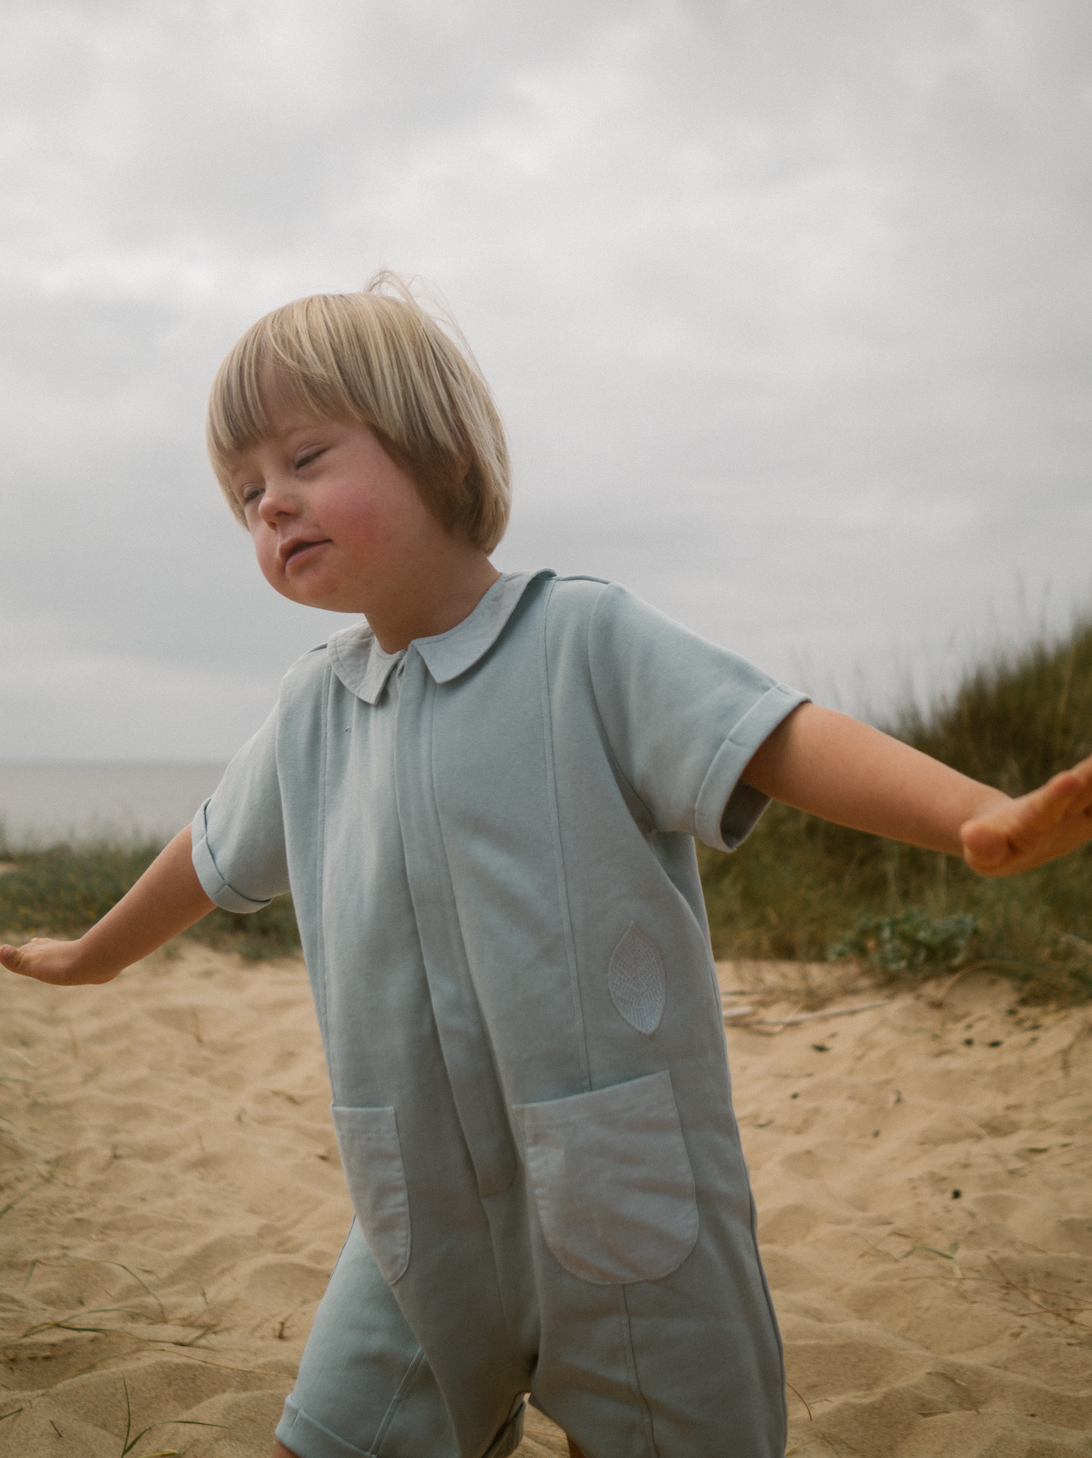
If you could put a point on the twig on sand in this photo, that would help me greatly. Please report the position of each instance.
(834, 1447)
(1063, 1312)
(802, 1398)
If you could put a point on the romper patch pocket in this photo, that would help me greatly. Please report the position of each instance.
(612, 1180)
(371, 1156)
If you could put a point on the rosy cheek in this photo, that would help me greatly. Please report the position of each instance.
(371, 524)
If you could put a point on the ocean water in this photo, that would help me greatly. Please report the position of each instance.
(41, 804)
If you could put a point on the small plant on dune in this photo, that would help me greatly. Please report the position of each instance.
(911, 942)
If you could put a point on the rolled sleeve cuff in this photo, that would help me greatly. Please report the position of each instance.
(208, 873)
(728, 810)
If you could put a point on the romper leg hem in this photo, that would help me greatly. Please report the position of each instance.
(309, 1439)
(510, 1436)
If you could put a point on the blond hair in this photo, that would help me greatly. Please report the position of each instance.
(379, 359)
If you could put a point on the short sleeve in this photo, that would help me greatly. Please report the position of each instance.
(238, 833)
(683, 718)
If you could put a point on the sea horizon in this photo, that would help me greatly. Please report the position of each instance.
(43, 802)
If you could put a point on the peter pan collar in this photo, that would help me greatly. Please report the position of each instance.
(364, 667)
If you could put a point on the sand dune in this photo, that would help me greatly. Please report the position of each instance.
(171, 1204)
(922, 1174)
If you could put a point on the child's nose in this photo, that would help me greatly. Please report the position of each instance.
(277, 500)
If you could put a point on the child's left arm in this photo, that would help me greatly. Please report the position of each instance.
(842, 770)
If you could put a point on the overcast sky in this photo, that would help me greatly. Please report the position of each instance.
(788, 308)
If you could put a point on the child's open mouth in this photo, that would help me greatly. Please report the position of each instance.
(295, 552)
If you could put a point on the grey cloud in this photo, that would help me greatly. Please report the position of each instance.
(787, 308)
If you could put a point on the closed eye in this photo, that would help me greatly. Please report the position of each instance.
(309, 457)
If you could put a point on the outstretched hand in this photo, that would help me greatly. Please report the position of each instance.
(61, 963)
(1022, 833)
(167, 899)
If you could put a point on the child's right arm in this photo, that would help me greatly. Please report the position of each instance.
(167, 899)
(842, 770)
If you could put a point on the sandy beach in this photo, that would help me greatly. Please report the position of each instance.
(171, 1204)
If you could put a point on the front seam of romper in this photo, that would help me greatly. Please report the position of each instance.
(631, 1362)
(456, 1011)
(559, 852)
(486, 1188)
(319, 979)
(396, 1401)
(607, 745)
(625, 1329)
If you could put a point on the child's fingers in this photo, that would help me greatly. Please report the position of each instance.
(1067, 797)
(1072, 789)
(1034, 828)
(1081, 776)
(41, 958)
(18, 959)
(1049, 805)
(21, 960)
(1083, 770)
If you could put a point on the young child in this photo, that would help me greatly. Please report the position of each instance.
(483, 799)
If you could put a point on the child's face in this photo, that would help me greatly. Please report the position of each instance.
(335, 522)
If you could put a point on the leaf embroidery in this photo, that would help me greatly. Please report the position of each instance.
(636, 981)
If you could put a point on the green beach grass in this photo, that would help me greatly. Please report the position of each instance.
(799, 888)
(63, 890)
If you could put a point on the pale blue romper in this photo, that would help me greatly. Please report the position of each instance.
(488, 838)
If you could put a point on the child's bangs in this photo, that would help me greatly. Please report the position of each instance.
(275, 369)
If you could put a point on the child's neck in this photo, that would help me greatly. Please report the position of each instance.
(437, 600)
